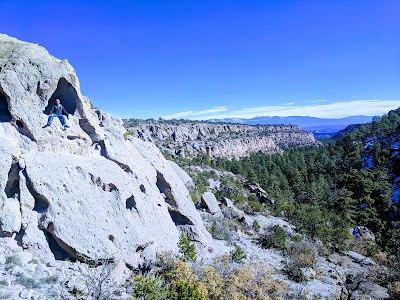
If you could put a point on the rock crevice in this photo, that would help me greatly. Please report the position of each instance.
(5, 115)
(86, 193)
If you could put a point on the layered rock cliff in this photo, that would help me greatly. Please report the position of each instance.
(86, 193)
(220, 140)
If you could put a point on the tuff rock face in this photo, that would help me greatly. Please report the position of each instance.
(220, 140)
(85, 193)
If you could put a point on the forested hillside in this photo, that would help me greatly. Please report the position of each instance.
(326, 190)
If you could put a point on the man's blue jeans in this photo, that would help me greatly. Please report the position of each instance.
(60, 117)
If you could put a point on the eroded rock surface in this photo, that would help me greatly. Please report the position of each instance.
(210, 203)
(86, 193)
(220, 140)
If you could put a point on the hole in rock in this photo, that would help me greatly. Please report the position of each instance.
(22, 130)
(55, 248)
(12, 186)
(5, 115)
(110, 187)
(165, 188)
(103, 149)
(4, 234)
(142, 188)
(88, 129)
(72, 137)
(179, 219)
(131, 203)
(162, 184)
(18, 237)
(111, 238)
(67, 95)
(41, 203)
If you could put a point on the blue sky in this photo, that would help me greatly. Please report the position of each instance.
(207, 59)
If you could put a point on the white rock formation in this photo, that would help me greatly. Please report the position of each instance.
(84, 193)
(186, 179)
(210, 203)
(182, 138)
(10, 216)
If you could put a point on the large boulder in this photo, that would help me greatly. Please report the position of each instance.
(30, 81)
(86, 193)
(186, 179)
(210, 203)
(260, 193)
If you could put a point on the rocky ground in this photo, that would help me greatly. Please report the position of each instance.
(328, 276)
(345, 275)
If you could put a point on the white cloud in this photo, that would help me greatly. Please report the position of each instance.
(343, 109)
(289, 103)
(315, 101)
(190, 114)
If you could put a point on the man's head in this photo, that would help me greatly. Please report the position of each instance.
(58, 101)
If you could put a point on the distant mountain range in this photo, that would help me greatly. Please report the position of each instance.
(315, 125)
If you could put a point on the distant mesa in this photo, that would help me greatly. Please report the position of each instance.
(305, 123)
(189, 138)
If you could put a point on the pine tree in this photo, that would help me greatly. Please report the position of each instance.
(186, 248)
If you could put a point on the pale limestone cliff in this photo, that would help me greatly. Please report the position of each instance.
(220, 140)
(86, 193)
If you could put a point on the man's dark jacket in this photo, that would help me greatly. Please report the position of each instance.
(58, 110)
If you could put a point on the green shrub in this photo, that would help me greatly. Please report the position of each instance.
(3, 283)
(294, 273)
(219, 231)
(12, 261)
(266, 241)
(219, 280)
(28, 282)
(237, 255)
(166, 154)
(279, 237)
(256, 226)
(132, 123)
(372, 249)
(274, 239)
(49, 280)
(297, 238)
(184, 290)
(303, 254)
(34, 261)
(149, 288)
(254, 206)
(394, 290)
(186, 248)
(182, 283)
(365, 247)
(194, 195)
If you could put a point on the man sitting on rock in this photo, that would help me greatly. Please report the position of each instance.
(57, 111)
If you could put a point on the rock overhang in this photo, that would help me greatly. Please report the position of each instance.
(86, 192)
